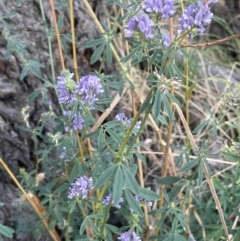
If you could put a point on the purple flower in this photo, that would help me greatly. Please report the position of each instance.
(164, 7)
(131, 25)
(76, 120)
(141, 200)
(145, 25)
(67, 155)
(80, 188)
(65, 87)
(165, 38)
(196, 16)
(129, 236)
(89, 88)
(142, 23)
(106, 201)
(127, 122)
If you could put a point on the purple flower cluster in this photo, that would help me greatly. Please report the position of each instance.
(85, 92)
(142, 23)
(80, 188)
(76, 120)
(89, 88)
(129, 236)
(65, 87)
(107, 200)
(127, 122)
(196, 16)
(164, 7)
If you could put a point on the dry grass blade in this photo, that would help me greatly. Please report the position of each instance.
(212, 189)
(107, 111)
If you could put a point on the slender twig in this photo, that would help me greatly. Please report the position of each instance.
(209, 44)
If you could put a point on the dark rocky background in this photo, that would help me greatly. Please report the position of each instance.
(16, 146)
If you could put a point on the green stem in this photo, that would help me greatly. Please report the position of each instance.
(106, 215)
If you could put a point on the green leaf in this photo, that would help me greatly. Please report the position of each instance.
(173, 98)
(34, 63)
(72, 206)
(200, 174)
(218, 184)
(9, 15)
(231, 157)
(109, 54)
(97, 53)
(179, 237)
(100, 139)
(61, 188)
(34, 94)
(118, 186)
(189, 165)
(148, 194)
(146, 104)
(157, 104)
(168, 180)
(130, 180)
(133, 203)
(153, 57)
(162, 120)
(174, 192)
(6, 231)
(167, 108)
(114, 136)
(97, 216)
(24, 128)
(215, 235)
(130, 55)
(93, 43)
(24, 72)
(35, 72)
(200, 126)
(83, 226)
(121, 5)
(105, 176)
(92, 225)
(121, 86)
(140, 156)
(52, 222)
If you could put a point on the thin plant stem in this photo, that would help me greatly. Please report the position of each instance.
(75, 65)
(49, 41)
(169, 134)
(57, 33)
